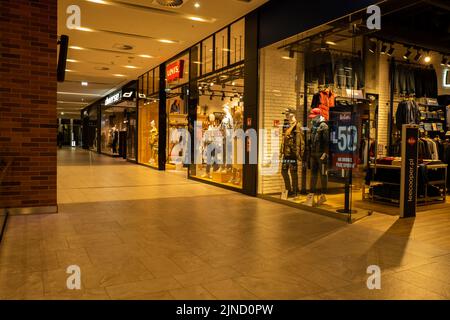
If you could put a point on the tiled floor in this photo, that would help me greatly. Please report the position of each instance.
(141, 234)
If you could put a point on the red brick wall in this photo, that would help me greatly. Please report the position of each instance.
(28, 49)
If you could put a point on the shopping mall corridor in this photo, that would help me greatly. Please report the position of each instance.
(137, 233)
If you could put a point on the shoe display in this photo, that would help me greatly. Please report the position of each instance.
(322, 200)
(310, 201)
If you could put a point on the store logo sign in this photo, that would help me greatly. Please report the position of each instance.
(112, 99)
(374, 20)
(175, 70)
(128, 95)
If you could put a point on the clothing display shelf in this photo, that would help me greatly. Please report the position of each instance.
(423, 198)
(433, 120)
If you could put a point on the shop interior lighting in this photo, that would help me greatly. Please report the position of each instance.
(444, 61)
(407, 54)
(390, 52)
(418, 56)
(373, 47)
(84, 83)
(427, 58)
(383, 49)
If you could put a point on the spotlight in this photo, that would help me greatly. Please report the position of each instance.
(418, 55)
(383, 48)
(407, 54)
(444, 61)
(390, 51)
(427, 58)
(373, 47)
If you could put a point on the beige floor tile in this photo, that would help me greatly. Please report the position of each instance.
(229, 290)
(206, 276)
(136, 289)
(192, 293)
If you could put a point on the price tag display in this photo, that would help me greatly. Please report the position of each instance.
(344, 141)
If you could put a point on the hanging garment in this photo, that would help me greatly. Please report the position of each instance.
(407, 113)
(324, 100)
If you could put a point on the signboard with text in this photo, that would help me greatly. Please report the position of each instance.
(344, 137)
(175, 71)
(408, 182)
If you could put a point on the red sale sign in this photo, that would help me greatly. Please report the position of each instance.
(175, 71)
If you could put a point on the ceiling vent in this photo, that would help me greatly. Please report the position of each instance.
(170, 3)
(101, 68)
(124, 47)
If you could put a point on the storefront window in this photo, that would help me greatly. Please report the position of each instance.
(219, 116)
(177, 82)
(237, 41)
(336, 101)
(222, 50)
(311, 113)
(207, 56)
(113, 130)
(148, 131)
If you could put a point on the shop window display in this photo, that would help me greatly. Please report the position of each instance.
(149, 132)
(113, 131)
(351, 93)
(219, 116)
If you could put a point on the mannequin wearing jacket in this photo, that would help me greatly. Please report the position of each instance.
(292, 147)
(319, 144)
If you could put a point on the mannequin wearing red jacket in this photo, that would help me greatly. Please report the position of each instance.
(324, 100)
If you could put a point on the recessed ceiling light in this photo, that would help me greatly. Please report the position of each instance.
(84, 83)
(145, 56)
(68, 70)
(193, 18)
(76, 48)
(79, 94)
(427, 58)
(332, 43)
(72, 60)
(84, 29)
(98, 1)
(197, 5)
(131, 67)
(166, 41)
(286, 58)
(119, 75)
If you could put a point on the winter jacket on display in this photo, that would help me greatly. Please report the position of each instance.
(324, 100)
(293, 144)
(320, 138)
(407, 113)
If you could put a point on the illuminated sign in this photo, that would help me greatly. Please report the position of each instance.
(175, 70)
(114, 98)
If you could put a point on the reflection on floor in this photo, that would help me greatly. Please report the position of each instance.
(138, 233)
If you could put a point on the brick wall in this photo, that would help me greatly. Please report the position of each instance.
(28, 88)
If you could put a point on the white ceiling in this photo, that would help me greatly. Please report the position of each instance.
(141, 24)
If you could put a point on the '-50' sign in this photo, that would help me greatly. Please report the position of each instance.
(175, 70)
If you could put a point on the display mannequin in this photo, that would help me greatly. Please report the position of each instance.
(153, 142)
(237, 169)
(319, 144)
(209, 138)
(115, 139)
(291, 152)
(226, 125)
